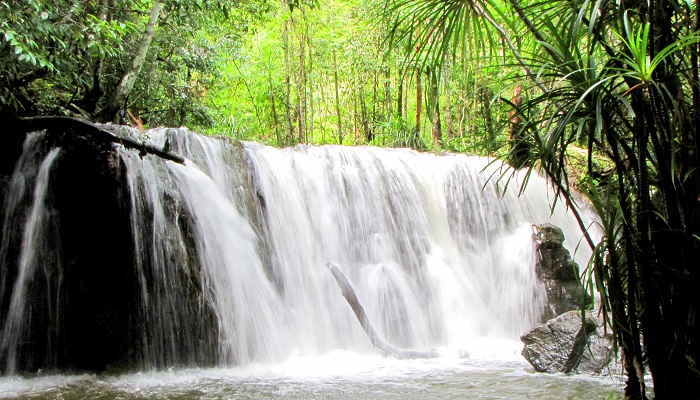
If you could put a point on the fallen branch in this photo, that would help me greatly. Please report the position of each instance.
(39, 123)
(378, 342)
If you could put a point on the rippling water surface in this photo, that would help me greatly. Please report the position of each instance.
(337, 375)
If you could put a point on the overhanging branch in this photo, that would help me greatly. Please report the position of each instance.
(39, 123)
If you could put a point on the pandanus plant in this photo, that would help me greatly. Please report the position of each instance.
(621, 80)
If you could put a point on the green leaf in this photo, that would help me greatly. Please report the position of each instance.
(9, 35)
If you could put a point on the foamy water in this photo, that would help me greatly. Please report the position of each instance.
(335, 375)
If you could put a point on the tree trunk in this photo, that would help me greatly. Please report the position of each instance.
(309, 78)
(129, 78)
(92, 96)
(449, 125)
(484, 94)
(355, 124)
(668, 250)
(419, 102)
(375, 95)
(474, 109)
(77, 126)
(273, 107)
(301, 89)
(434, 99)
(288, 87)
(399, 98)
(519, 154)
(359, 311)
(387, 92)
(337, 98)
(363, 114)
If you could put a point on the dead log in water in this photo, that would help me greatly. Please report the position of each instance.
(378, 342)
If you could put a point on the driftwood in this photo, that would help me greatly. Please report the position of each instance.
(378, 342)
(38, 123)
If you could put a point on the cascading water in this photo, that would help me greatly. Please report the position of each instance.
(27, 207)
(230, 251)
(438, 256)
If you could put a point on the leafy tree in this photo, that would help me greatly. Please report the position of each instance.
(90, 58)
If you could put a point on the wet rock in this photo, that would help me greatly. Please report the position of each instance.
(564, 344)
(558, 272)
(93, 306)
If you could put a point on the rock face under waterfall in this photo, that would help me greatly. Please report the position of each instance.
(80, 284)
(558, 272)
(564, 345)
(79, 292)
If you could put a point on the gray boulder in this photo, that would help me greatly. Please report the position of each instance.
(558, 272)
(563, 344)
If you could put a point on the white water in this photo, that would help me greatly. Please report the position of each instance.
(37, 250)
(245, 301)
(334, 375)
(439, 256)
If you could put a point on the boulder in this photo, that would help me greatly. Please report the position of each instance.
(564, 344)
(558, 272)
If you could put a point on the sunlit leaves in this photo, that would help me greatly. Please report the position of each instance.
(51, 51)
(637, 42)
(431, 31)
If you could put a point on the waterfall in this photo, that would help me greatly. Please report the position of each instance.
(29, 220)
(230, 250)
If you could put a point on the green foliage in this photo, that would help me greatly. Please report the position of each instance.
(66, 56)
(301, 53)
(622, 81)
(606, 99)
(396, 132)
(639, 64)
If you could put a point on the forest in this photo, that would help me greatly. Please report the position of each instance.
(602, 97)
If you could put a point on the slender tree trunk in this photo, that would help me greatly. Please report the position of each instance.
(365, 118)
(626, 319)
(695, 68)
(642, 246)
(449, 125)
(93, 95)
(129, 78)
(301, 90)
(288, 87)
(337, 98)
(519, 154)
(309, 76)
(406, 90)
(399, 97)
(484, 94)
(419, 102)
(434, 100)
(464, 110)
(375, 95)
(355, 117)
(273, 107)
(387, 93)
(475, 110)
